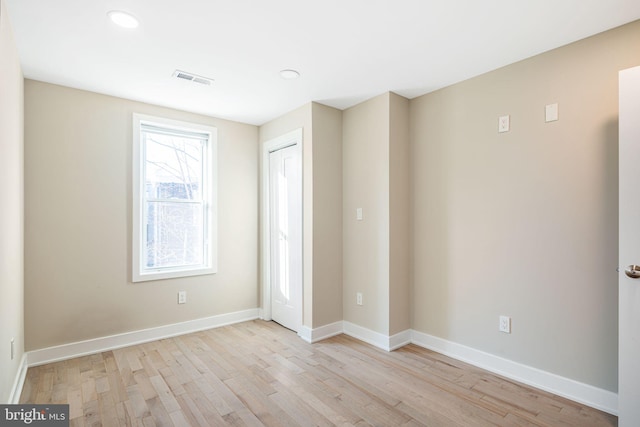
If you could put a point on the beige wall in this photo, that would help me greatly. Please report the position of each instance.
(322, 207)
(524, 223)
(12, 212)
(377, 249)
(78, 221)
(327, 215)
(366, 185)
(399, 216)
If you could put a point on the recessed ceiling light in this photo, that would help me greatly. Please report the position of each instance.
(289, 74)
(123, 19)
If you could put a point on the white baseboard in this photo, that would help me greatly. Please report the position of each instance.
(305, 333)
(603, 400)
(16, 390)
(400, 339)
(327, 331)
(367, 335)
(385, 342)
(321, 333)
(97, 345)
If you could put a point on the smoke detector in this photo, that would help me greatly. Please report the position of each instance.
(192, 77)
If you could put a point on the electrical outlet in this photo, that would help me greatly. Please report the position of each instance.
(182, 297)
(505, 324)
(12, 348)
(359, 298)
(503, 124)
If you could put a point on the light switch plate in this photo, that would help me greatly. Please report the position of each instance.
(551, 113)
(359, 214)
(503, 124)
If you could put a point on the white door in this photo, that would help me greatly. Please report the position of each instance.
(629, 251)
(285, 228)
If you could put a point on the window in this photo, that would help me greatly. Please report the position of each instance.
(174, 182)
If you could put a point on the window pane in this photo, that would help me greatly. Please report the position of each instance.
(175, 234)
(173, 167)
(174, 187)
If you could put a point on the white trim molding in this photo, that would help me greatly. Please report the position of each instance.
(367, 335)
(321, 333)
(112, 342)
(387, 343)
(400, 339)
(305, 333)
(603, 400)
(16, 390)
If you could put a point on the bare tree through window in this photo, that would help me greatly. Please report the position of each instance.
(174, 200)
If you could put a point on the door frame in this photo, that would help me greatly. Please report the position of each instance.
(628, 288)
(290, 139)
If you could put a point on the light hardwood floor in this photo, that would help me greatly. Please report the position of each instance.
(258, 373)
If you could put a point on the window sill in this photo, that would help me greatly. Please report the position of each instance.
(171, 274)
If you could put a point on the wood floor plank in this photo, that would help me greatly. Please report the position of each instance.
(74, 400)
(191, 411)
(102, 384)
(89, 389)
(91, 414)
(161, 417)
(124, 415)
(172, 381)
(211, 406)
(260, 374)
(137, 404)
(164, 393)
(107, 410)
(178, 418)
(301, 412)
(59, 393)
(258, 403)
(144, 385)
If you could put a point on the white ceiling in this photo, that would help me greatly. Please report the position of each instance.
(345, 50)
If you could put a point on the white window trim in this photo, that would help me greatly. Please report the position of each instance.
(211, 233)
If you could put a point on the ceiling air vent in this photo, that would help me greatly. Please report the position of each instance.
(192, 77)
